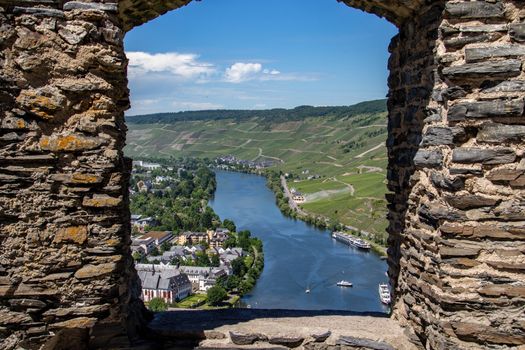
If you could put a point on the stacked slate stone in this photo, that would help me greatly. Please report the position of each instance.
(64, 217)
(457, 170)
(136, 12)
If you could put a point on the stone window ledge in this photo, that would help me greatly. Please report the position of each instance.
(278, 329)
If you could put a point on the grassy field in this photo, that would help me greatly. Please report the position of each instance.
(365, 208)
(347, 155)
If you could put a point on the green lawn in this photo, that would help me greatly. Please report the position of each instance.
(191, 301)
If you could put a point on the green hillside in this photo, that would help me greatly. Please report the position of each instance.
(343, 148)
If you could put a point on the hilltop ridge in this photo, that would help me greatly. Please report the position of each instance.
(300, 112)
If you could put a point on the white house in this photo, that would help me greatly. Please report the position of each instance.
(196, 273)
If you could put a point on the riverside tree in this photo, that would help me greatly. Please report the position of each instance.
(215, 295)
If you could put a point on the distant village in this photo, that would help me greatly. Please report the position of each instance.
(175, 265)
(230, 162)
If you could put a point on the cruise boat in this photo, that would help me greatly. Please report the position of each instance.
(384, 293)
(344, 283)
(350, 240)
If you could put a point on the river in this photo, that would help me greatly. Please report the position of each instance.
(297, 256)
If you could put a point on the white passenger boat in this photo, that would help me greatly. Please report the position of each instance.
(384, 294)
(350, 240)
(344, 283)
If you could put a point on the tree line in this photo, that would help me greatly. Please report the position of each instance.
(270, 115)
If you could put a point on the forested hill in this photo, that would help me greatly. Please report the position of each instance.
(277, 114)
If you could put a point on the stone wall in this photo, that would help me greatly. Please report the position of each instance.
(136, 12)
(456, 170)
(64, 217)
(457, 215)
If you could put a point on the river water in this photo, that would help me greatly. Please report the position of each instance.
(297, 256)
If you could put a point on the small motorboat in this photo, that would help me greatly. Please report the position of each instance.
(384, 293)
(307, 291)
(344, 283)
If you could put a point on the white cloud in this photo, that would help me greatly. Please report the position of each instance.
(271, 72)
(240, 72)
(185, 66)
(195, 106)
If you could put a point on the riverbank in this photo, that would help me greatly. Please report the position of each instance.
(290, 208)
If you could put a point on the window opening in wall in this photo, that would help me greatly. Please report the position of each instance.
(258, 131)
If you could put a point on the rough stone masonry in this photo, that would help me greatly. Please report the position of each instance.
(456, 171)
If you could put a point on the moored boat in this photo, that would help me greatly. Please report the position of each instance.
(384, 293)
(353, 241)
(344, 283)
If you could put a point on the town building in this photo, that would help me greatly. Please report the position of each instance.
(146, 165)
(217, 238)
(158, 237)
(175, 252)
(140, 223)
(231, 254)
(144, 186)
(203, 278)
(145, 243)
(196, 273)
(191, 238)
(142, 246)
(166, 282)
(297, 196)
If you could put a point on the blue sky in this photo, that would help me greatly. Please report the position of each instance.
(254, 54)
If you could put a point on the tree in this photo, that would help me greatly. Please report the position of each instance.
(245, 286)
(158, 305)
(175, 261)
(238, 267)
(154, 252)
(216, 295)
(257, 244)
(206, 218)
(230, 242)
(215, 260)
(202, 259)
(229, 224)
(243, 239)
(221, 281)
(137, 256)
(164, 247)
(232, 282)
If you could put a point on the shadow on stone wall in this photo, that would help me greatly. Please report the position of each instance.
(411, 106)
(189, 327)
